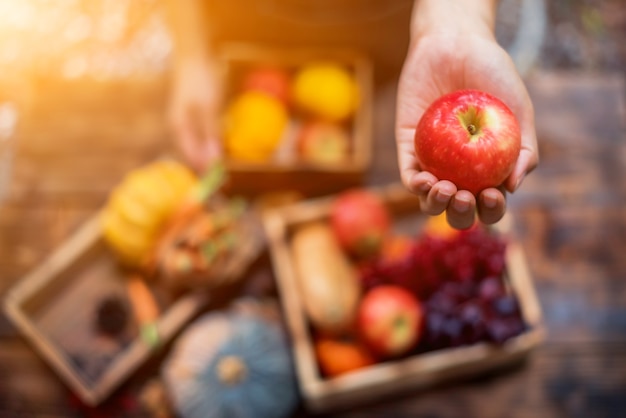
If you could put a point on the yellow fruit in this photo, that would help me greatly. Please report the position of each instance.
(326, 90)
(254, 126)
(141, 204)
(438, 226)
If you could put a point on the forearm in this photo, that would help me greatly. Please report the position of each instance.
(453, 16)
(190, 31)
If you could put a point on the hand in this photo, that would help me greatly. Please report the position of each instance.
(439, 62)
(194, 111)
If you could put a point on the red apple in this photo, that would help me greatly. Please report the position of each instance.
(360, 221)
(270, 80)
(322, 142)
(470, 138)
(389, 320)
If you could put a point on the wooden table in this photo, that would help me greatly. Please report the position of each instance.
(79, 138)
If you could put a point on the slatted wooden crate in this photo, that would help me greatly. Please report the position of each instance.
(55, 306)
(418, 371)
(292, 173)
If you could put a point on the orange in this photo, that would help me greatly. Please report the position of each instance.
(254, 126)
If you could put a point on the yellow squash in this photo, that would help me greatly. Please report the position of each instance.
(141, 204)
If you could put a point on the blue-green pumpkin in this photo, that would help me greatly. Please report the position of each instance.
(232, 364)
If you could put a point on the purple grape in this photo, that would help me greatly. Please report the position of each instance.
(506, 306)
(442, 302)
(471, 313)
(499, 330)
(453, 330)
(473, 319)
(490, 288)
(434, 329)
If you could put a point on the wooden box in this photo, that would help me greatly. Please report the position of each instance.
(288, 172)
(410, 373)
(54, 308)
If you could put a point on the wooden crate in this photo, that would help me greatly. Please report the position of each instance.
(54, 308)
(290, 173)
(418, 371)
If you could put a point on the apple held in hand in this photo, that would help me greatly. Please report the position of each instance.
(470, 138)
(389, 320)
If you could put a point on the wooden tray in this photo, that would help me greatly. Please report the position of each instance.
(306, 178)
(54, 307)
(419, 371)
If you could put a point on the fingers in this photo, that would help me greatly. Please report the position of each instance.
(491, 206)
(461, 206)
(526, 162)
(529, 154)
(197, 141)
(461, 210)
(439, 197)
(187, 142)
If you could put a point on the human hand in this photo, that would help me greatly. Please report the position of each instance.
(193, 113)
(441, 60)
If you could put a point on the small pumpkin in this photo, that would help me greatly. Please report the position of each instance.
(232, 363)
(140, 205)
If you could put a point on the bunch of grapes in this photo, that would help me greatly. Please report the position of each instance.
(460, 280)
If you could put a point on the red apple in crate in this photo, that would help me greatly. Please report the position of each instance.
(360, 221)
(323, 142)
(389, 320)
(270, 80)
(470, 138)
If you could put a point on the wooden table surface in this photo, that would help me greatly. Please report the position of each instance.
(79, 138)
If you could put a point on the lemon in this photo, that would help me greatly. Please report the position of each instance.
(254, 126)
(327, 90)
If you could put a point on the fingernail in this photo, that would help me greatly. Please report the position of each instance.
(461, 205)
(424, 187)
(489, 201)
(519, 181)
(442, 197)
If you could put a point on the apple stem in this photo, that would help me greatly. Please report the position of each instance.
(471, 129)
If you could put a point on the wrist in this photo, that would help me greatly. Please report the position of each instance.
(453, 18)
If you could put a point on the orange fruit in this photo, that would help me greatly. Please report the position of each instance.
(254, 126)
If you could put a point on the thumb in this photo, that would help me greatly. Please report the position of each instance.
(524, 165)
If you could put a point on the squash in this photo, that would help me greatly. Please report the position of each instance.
(328, 282)
(140, 205)
(230, 363)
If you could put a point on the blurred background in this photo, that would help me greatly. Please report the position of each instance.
(83, 88)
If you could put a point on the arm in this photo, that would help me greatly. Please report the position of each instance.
(453, 47)
(196, 89)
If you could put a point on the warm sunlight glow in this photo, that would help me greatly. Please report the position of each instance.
(82, 38)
